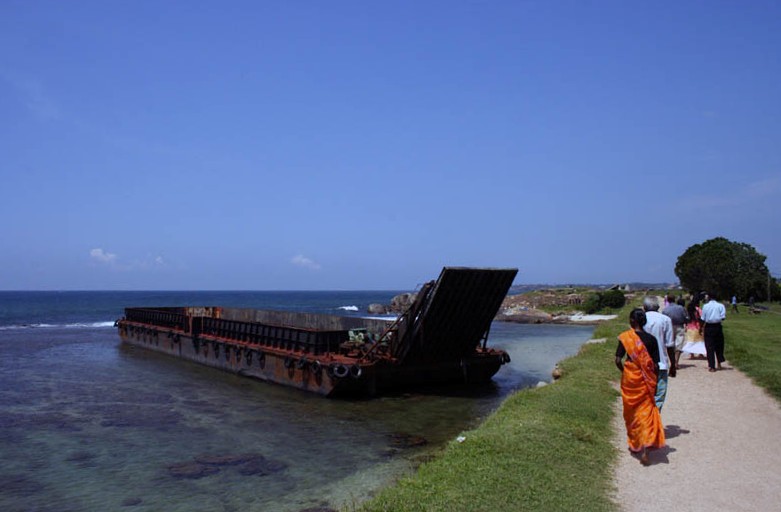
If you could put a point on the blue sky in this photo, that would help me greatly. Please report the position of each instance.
(364, 145)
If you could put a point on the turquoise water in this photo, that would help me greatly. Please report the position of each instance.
(88, 424)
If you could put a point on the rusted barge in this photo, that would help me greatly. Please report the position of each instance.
(440, 339)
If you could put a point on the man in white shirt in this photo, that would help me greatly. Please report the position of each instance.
(713, 313)
(661, 327)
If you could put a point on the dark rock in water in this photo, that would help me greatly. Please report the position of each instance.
(404, 440)
(247, 464)
(192, 470)
(132, 502)
(262, 467)
(82, 459)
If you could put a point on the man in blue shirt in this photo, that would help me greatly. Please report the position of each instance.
(713, 313)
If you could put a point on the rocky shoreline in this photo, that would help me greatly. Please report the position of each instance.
(398, 305)
(541, 317)
(513, 309)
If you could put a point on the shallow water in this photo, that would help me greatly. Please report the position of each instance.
(88, 424)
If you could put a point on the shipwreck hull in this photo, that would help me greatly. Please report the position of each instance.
(328, 375)
(255, 362)
(332, 355)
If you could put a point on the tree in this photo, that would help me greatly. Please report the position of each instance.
(724, 268)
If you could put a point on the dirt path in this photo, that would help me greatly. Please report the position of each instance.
(723, 447)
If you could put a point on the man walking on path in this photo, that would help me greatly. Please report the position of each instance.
(661, 327)
(713, 313)
(679, 318)
(735, 304)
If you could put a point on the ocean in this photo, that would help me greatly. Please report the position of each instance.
(89, 424)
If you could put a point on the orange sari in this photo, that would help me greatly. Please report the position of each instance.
(644, 427)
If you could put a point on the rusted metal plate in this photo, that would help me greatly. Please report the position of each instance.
(458, 313)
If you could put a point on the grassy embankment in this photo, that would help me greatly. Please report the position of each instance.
(550, 448)
(544, 449)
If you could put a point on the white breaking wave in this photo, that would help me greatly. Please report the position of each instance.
(92, 324)
(348, 308)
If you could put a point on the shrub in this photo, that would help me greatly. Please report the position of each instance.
(593, 303)
(613, 299)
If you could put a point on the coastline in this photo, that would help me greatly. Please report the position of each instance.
(552, 306)
(540, 317)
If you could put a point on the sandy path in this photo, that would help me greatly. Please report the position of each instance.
(723, 447)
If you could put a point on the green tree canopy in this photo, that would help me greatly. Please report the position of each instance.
(725, 268)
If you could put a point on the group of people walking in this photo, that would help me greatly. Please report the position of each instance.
(704, 334)
(648, 354)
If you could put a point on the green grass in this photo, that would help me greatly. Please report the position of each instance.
(551, 448)
(753, 344)
(544, 449)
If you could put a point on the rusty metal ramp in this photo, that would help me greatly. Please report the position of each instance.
(453, 315)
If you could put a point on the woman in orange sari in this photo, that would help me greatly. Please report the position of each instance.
(639, 372)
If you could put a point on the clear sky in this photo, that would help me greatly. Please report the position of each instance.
(364, 145)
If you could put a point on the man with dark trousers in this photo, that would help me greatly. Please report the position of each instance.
(713, 313)
(680, 318)
(661, 327)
